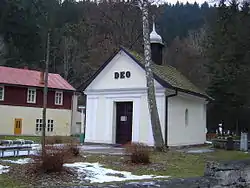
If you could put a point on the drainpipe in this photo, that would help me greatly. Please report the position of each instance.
(173, 95)
(166, 116)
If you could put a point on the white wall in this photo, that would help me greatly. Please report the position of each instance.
(104, 91)
(61, 117)
(100, 117)
(146, 134)
(180, 134)
(94, 130)
(121, 62)
(101, 127)
(76, 116)
(76, 123)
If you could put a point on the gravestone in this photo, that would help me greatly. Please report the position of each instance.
(243, 142)
(230, 143)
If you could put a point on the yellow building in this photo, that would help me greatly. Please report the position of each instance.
(21, 103)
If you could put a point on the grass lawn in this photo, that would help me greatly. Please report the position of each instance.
(36, 139)
(6, 182)
(172, 163)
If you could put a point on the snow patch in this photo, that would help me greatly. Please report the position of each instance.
(84, 147)
(95, 173)
(146, 184)
(36, 146)
(4, 169)
(21, 153)
(94, 147)
(208, 142)
(200, 151)
(19, 161)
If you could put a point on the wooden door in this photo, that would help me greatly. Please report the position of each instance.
(18, 126)
(124, 115)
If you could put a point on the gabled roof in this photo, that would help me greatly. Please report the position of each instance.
(25, 77)
(166, 75)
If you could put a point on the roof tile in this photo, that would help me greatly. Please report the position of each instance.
(170, 75)
(26, 77)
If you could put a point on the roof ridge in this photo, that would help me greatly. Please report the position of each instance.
(153, 61)
(165, 77)
(23, 69)
(182, 75)
(190, 86)
(30, 77)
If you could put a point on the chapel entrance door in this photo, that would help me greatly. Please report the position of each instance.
(124, 115)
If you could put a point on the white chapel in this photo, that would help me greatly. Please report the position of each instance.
(117, 107)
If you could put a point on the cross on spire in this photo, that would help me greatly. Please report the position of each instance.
(154, 36)
(153, 22)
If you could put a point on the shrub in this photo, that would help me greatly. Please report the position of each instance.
(218, 144)
(139, 153)
(211, 136)
(50, 140)
(229, 144)
(73, 148)
(52, 160)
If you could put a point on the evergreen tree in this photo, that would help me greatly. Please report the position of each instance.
(92, 31)
(229, 66)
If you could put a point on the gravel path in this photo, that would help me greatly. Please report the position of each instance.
(198, 182)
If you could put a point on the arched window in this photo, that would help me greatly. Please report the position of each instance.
(186, 117)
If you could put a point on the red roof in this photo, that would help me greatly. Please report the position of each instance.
(27, 77)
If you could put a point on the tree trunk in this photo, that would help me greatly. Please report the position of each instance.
(154, 116)
(237, 128)
(45, 93)
(66, 58)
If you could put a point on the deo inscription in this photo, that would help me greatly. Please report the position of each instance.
(122, 74)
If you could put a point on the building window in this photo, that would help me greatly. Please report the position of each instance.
(59, 98)
(39, 125)
(1, 93)
(50, 127)
(31, 95)
(186, 117)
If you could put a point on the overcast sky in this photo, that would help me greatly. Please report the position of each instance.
(211, 2)
(184, 1)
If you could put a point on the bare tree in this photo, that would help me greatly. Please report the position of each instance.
(2, 51)
(66, 57)
(69, 54)
(45, 92)
(187, 55)
(152, 106)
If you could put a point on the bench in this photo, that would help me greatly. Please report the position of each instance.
(16, 146)
(17, 142)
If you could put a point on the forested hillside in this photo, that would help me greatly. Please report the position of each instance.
(210, 45)
(85, 33)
